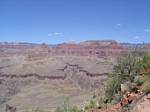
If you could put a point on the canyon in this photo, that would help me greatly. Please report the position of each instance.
(42, 75)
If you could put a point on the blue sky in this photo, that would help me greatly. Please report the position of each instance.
(56, 21)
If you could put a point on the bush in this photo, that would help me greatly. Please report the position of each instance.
(91, 105)
(129, 69)
(139, 80)
(145, 65)
(146, 85)
(74, 109)
(116, 99)
(101, 102)
(112, 88)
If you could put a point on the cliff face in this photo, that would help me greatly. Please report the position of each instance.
(101, 49)
(95, 48)
(95, 58)
(82, 49)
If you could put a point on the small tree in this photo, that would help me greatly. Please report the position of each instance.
(126, 70)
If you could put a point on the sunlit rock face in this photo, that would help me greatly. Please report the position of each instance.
(97, 48)
(87, 48)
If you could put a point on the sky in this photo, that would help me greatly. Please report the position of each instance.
(57, 21)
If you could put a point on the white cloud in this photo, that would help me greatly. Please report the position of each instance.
(137, 37)
(147, 30)
(55, 34)
(118, 24)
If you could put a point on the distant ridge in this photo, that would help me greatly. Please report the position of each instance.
(86, 41)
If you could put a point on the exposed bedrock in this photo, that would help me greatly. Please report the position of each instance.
(73, 73)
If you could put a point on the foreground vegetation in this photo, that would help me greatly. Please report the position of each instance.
(132, 71)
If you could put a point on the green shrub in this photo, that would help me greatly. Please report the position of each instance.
(92, 104)
(116, 99)
(112, 88)
(146, 85)
(73, 109)
(101, 102)
(139, 80)
(128, 70)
